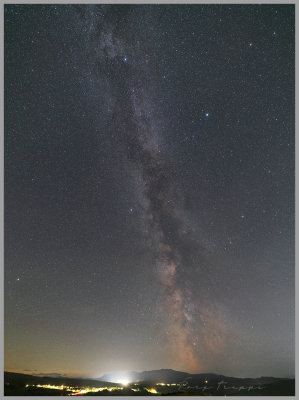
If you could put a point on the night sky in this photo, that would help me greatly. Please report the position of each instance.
(149, 189)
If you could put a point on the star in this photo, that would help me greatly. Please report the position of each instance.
(207, 114)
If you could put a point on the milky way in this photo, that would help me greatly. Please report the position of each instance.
(132, 124)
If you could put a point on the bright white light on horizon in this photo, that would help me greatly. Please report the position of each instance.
(123, 378)
(124, 382)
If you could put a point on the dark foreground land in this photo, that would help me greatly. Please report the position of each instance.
(149, 383)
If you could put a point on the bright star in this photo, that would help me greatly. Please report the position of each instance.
(207, 114)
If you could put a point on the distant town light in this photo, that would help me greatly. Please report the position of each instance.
(152, 390)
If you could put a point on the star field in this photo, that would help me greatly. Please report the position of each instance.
(149, 188)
